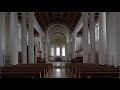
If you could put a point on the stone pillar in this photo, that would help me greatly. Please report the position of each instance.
(30, 38)
(66, 51)
(48, 45)
(92, 38)
(102, 38)
(42, 47)
(85, 37)
(61, 50)
(24, 38)
(46, 50)
(3, 36)
(70, 48)
(13, 38)
(55, 50)
(1, 57)
(73, 46)
(7, 38)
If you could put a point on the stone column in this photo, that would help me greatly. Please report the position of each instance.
(48, 45)
(30, 38)
(24, 37)
(73, 46)
(85, 37)
(66, 51)
(42, 47)
(61, 50)
(54, 50)
(1, 58)
(13, 38)
(3, 36)
(70, 47)
(7, 38)
(102, 38)
(46, 50)
(92, 37)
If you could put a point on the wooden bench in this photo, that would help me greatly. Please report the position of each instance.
(99, 74)
(31, 69)
(44, 69)
(77, 71)
(75, 68)
(40, 65)
(76, 65)
(88, 66)
(67, 68)
(21, 74)
(48, 65)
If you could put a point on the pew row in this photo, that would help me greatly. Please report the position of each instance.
(74, 70)
(42, 70)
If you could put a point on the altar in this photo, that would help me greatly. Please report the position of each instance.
(58, 59)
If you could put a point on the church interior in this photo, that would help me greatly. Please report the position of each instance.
(59, 44)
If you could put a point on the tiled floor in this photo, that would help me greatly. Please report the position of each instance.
(58, 70)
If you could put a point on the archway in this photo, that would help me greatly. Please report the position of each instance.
(63, 32)
(57, 47)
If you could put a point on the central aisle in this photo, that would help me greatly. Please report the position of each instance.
(58, 70)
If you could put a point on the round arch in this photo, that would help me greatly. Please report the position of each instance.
(58, 23)
(58, 33)
(66, 33)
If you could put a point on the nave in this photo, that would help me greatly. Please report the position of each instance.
(59, 70)
(59, 44)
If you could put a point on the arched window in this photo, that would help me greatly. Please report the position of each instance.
(27, 38)
(63, 50)
(52, 51)
(88, 37)
(19, 31)
(97, 32)
(58, 51)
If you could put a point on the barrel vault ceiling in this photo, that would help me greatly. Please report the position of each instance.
(70, 18)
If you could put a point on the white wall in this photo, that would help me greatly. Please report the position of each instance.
(19, 38)
(1, 56)
(2, 37)
(113, 37)
(78, 43)
(36, 42)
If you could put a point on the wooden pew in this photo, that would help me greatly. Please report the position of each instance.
(67, 68)
(42, 71)
(74, 66)
(48, 67)
(31, 67)
(99, 74)
(88, 66)
(21, 74)
(77, 71)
